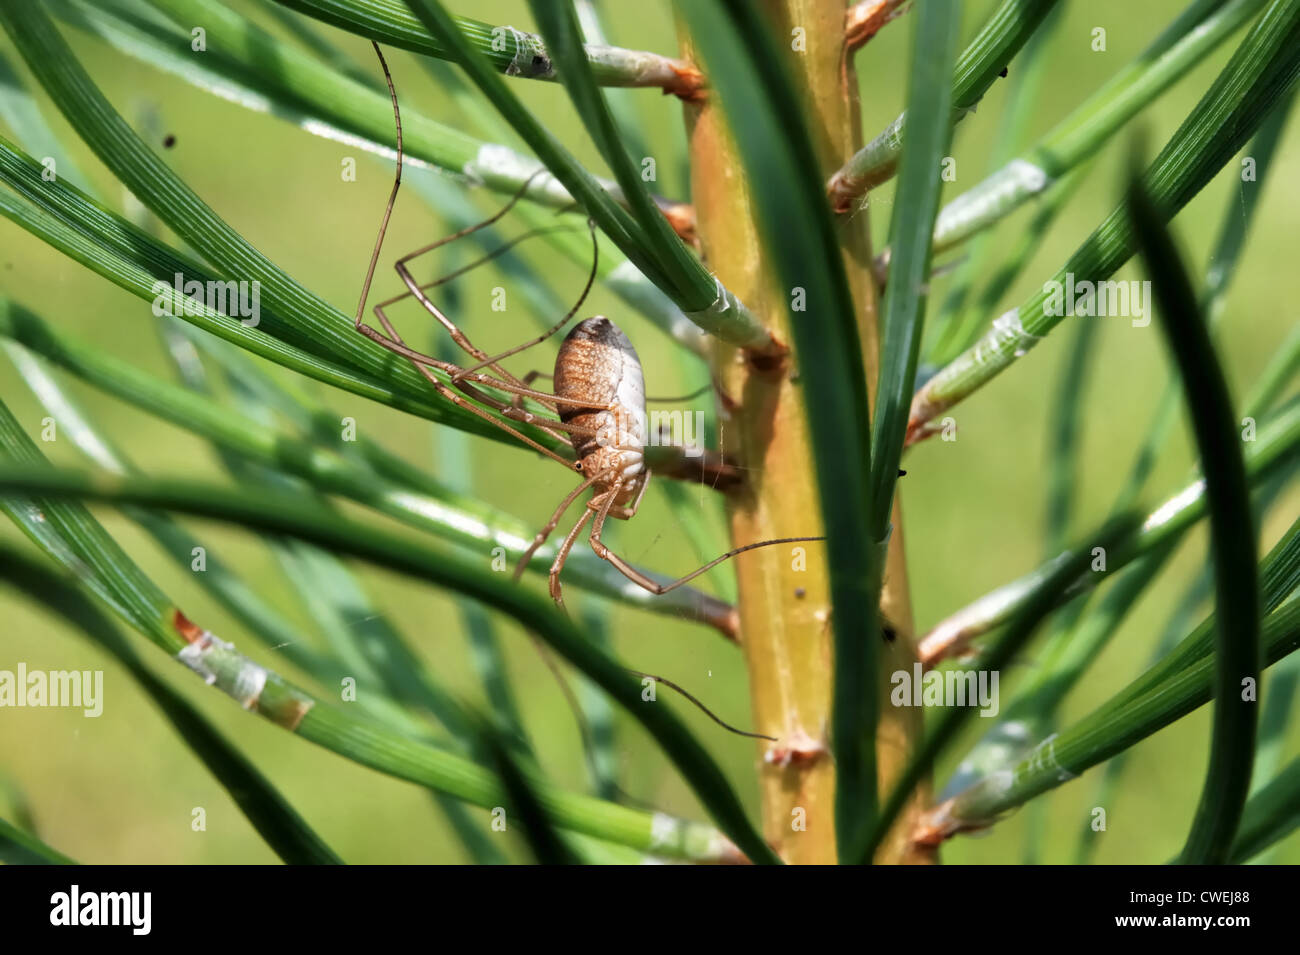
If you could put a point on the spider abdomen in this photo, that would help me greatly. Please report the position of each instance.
(597, 363)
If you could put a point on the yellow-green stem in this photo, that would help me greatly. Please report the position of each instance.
(784, 600)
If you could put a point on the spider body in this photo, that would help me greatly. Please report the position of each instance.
(597, 363)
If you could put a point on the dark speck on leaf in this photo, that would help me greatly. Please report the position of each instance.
(1003, 74)
(169, 141)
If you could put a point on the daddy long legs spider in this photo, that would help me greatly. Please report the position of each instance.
(598, 402)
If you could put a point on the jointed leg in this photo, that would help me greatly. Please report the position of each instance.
(476, 410)
(425, 362)
(545, 532)
(517, 401)
(629, 511)
(626, 513)
(469, 230)
(392, 195)
(484, 360)
(641, 580)
(586, 289)
(398, 346)
(558, 564)
(394, 343)
(413, 289)
(513, 412)
(417, 290)
(461, 339)
(481, 260)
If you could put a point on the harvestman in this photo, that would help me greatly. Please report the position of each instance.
(599, 398)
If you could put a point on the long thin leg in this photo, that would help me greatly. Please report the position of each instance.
(396, 344)
(481, 260)
(423, 363)
(428, 304)
(486, 416)
(601, 507)
(700, 705)
(545, 532)
(629, 512)
(680, 399)
(457, 335)
(469, 230)
(460, 336)
(516, 412)
(519, 414)
(461, 339)
(417, 291)
(518, 400)
(714, 385)
(586, 290)
(641, 580)
(407, 279)
(392, 195)
(558, 564)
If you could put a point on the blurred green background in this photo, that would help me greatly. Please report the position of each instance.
(121, 788)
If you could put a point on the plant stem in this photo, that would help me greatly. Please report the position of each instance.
(511, 51)
(785, 611)
(1006, 31)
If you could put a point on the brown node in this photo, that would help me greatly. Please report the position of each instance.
(938, 825)
(186, 627)
(918, 429)
(864, 20)
(795, 749)
(681, 216)
(842, 191)
(687, 83)
(772, 361)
